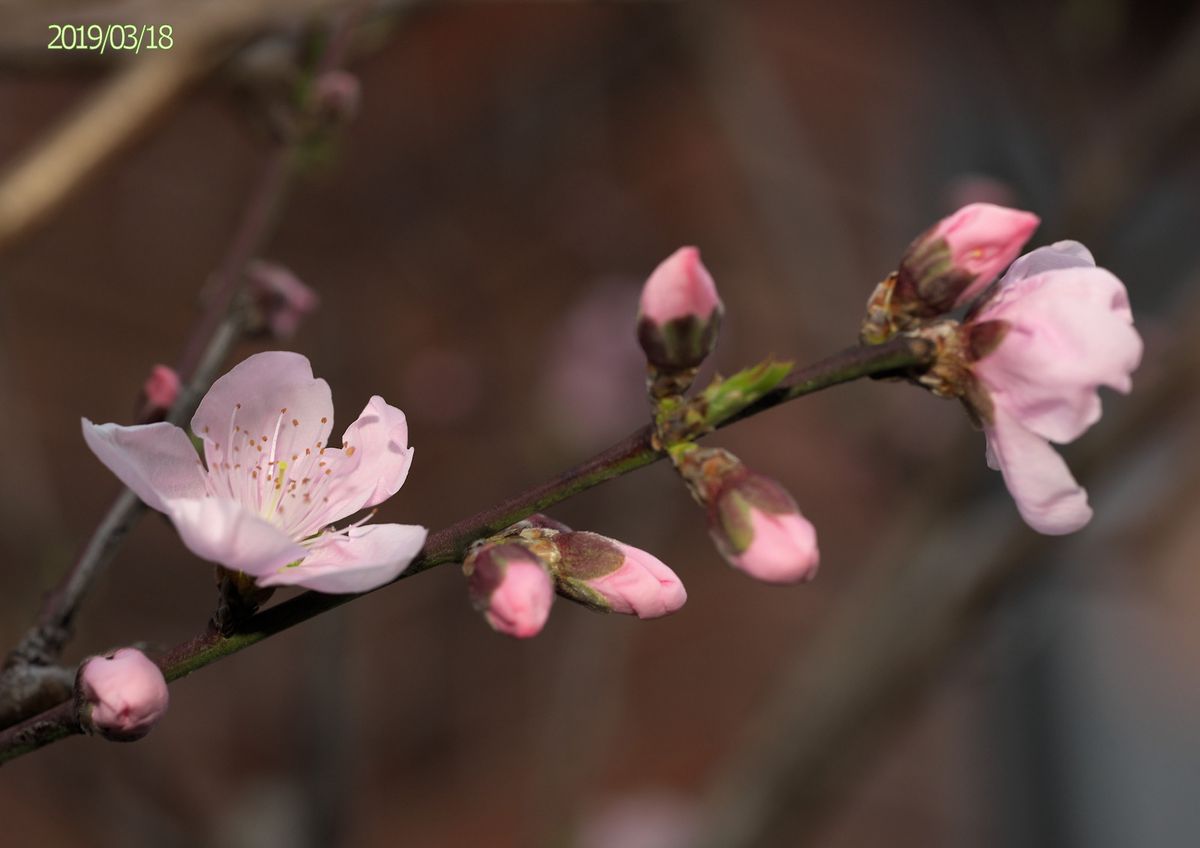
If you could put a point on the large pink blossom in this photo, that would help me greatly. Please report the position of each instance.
(1064, 328)
(270, 489)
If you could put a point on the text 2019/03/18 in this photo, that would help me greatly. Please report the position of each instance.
(111, 37)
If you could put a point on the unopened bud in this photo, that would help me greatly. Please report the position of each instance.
(161, 387)
(611, 576)
(752, 519)
(120, 696)
(947, 266)
(680, 313)
(511, 587)
(337, 95)
(282, 299)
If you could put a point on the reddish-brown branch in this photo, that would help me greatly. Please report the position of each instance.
(450, 543)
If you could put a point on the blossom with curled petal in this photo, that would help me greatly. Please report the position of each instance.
(266, 497)
(1056, 329)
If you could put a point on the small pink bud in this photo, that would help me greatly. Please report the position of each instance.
(162, 387)
(956, 259)
(337, 95)
(758, 528)
(511, 587)
(283, 300)
(120, 696)
(611, 576)
(680, 312)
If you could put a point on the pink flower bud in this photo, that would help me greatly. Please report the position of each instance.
(759, 529)
(337, 95)
(611, 576)
(162, 387)
(120, 696)
(511, 587)
(680, 312)
(283, 300)
(956, 259)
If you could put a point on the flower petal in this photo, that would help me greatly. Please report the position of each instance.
(222, 530)
(1038, 479)
(1061, 254)
(783, 548)
(1070, 331)
(377, 443)
(157, 461)
(269, 407)
(359, 561)
(644, 585)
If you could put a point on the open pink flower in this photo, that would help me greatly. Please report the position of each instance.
(1056, 330)
(266, 498)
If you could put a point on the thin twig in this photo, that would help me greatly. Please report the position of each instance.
(449, 545)
(216, 331)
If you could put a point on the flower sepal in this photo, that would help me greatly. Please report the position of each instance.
(238, 598)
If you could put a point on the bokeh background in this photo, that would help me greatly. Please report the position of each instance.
(477, 236)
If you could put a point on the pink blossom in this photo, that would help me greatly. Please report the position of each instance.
(512, 589)
(1056, 330)
(270, 488)
(614, 577)
(121, 696)
(680, 312)
(759, 529)
(955, 260)
(162, 387)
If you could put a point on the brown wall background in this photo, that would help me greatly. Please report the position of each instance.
(478, 236)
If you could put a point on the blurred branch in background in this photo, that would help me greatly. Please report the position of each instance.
(26, 686)
(797, 209)
(131, 99)
(913, 610)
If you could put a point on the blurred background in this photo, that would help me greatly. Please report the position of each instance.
(477, 236)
